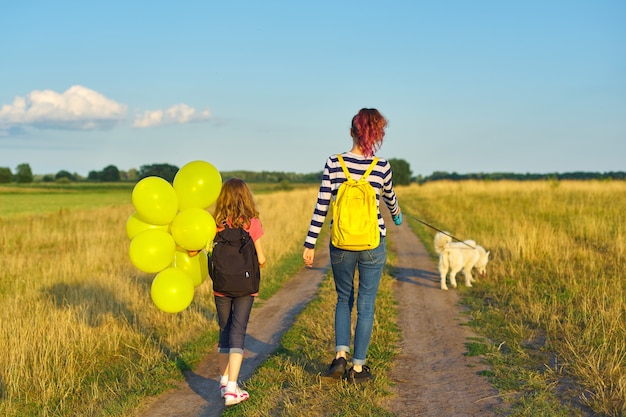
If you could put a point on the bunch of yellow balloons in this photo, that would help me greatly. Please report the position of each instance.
(168, 221)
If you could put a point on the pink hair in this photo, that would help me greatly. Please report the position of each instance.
(368, 128)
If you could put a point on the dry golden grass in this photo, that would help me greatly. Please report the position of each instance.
(285, 216)
(79, 330)
(559, 250)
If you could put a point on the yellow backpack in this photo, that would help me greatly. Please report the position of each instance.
(355, 213)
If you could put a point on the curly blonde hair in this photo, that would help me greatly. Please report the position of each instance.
(235, 203)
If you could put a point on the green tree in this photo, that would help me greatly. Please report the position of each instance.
(6, 175)
(64, 174)
(23, 174)
(110, 174)
(165, 171)
(132, 174)
(401, 171)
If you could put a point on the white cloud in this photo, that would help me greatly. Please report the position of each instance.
(78, 108)
(178, 114)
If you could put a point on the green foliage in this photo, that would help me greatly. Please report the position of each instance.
(23, 174)
(108, 174)
(6, 175)
(274, 177)
(165, 171)
(499, 176)
(130, 175)
(64, 174)
(476, 346)
(401, 171)
(402, 175)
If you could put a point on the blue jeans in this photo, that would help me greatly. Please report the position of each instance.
(370, 265)
(233, 314)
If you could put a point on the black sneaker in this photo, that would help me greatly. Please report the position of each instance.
(357, 377)
(337, 368)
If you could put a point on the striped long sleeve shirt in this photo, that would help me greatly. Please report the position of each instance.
(333, 176)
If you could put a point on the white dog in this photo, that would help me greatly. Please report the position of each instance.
(457, 256)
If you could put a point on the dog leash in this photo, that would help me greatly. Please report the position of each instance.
(441, 231)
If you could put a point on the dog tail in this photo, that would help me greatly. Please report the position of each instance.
(441, 241)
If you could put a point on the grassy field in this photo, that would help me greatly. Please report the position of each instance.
(80, 335)
(554, 302)
(551, 310)
(41, 198)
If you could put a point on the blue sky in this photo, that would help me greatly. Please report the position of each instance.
(467, 86)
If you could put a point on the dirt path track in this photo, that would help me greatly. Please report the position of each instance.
(198, 394)
(434, 377)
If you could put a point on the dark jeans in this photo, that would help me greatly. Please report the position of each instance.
(233, 314)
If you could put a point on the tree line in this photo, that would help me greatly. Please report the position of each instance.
(498, 176)
(402, 175)
(401, 171)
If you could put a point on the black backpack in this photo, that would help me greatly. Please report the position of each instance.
(233, 263)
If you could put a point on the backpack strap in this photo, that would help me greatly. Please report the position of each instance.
(370, 169)
(343, 166)
(365, 175)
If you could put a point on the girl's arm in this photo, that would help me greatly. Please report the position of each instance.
(259, 251)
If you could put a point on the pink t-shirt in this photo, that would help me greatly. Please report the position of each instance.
(255, 229)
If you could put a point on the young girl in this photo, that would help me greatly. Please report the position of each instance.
(235, 205)
(367, 133)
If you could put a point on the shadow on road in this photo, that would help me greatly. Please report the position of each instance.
(416, 276)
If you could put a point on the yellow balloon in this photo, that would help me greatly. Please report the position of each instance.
(193, 228)
(152, 250)
(196, 267)
(155, 200)
(197, 184)
(136, 224)
(172, 290)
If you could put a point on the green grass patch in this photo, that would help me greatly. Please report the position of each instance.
(12, 205)
(518, 369)
(45, 198)
(476, 346)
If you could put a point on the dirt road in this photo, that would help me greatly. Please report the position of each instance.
(434, 376)
(198, 395)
